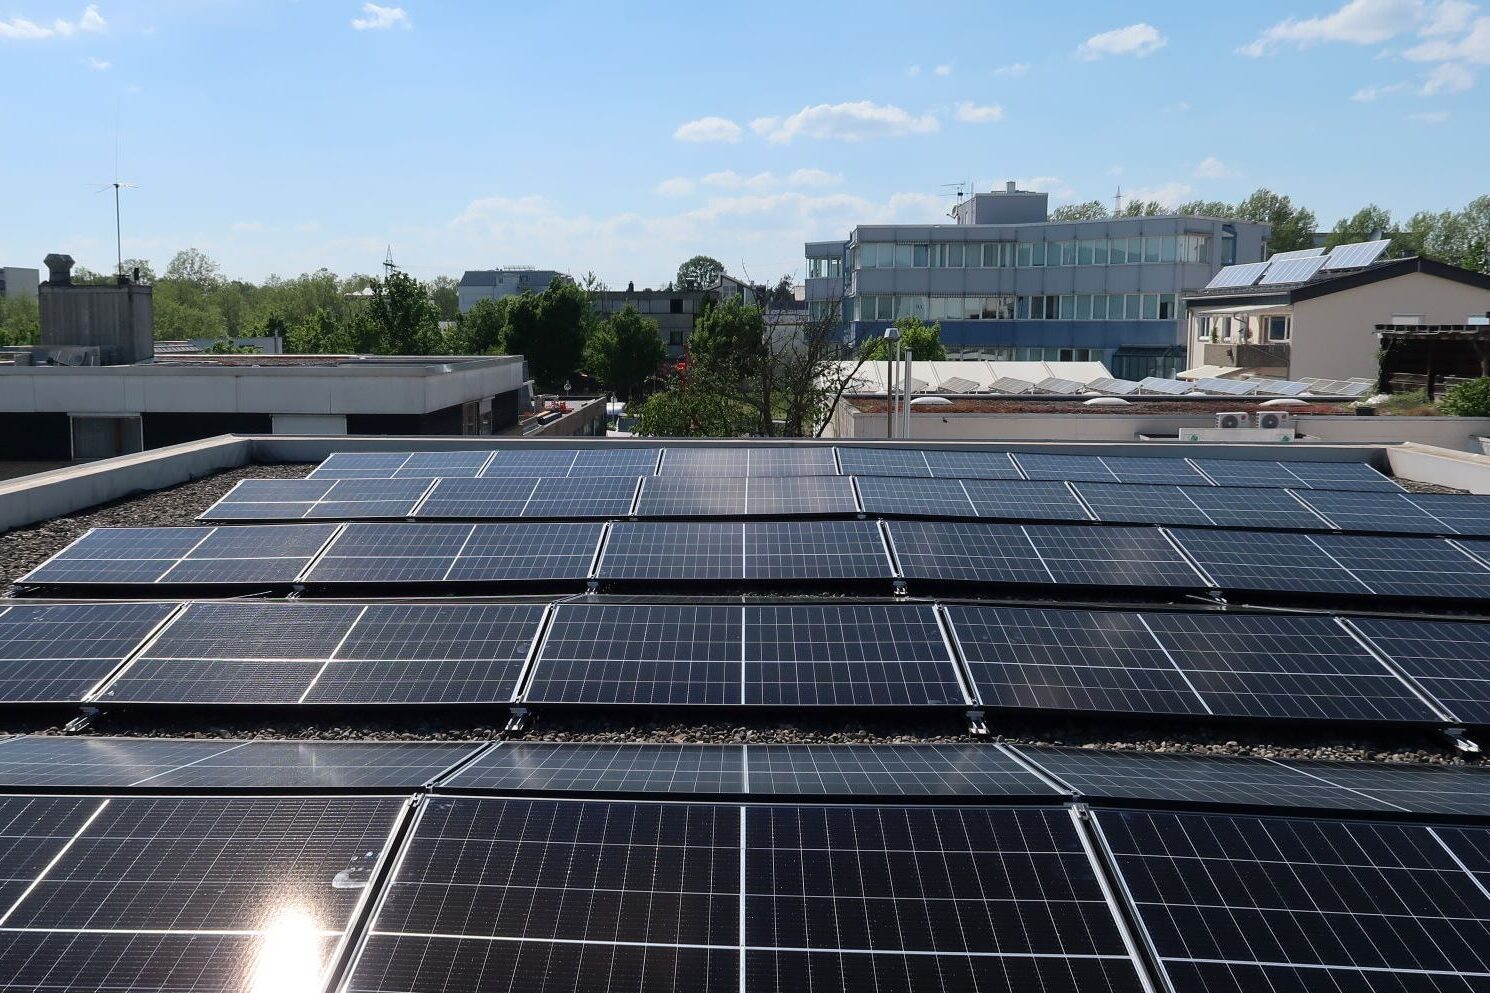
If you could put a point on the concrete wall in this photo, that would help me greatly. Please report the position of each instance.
(1334, 336)
(19, 283)
(118, 319)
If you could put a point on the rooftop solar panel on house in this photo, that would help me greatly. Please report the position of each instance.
(909, 496)
(1421, 568)
(692, 496)
(174, 894)
(1281, 387)
(363, 465)
(615, 462)
(1341, 476)
(971, 465)
(300, 652)
(59, 652)
(1300, 253)
(1234, 903)
(1137, 558)
(958, 384)
(1008, 385)
(1463, 513)
(674, 550)
(1040, 465)
(883, 462)
(1248, 560)
(1026, 500)
(754, 462)
(890, 771)
(1449, 659)
(868, 655)
(826, 550)
(640, 654)
(1143, 504)
(1296, 270)
(360, 499)
(1113, 387)
(1243, 274)
(529, 462)
(1153, 469)
(951, 551)
(1356, 256)
(1247, 472)
(705, 462)
(1253, 507)
(1058, 386)
(1284, 666)
(256, 555)
(268, 499)
(458, 553)
(1356, 510)
(577, 497)
(1227, 387)
(1164, 387)
(1218, 780)
(542, 766)
(477, 498)
(1076, 660)
(790, 496)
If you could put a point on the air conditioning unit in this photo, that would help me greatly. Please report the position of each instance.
(1234, 419)
(1274, 420)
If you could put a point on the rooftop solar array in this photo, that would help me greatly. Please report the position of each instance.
(1232, 276)
(749, 462)
(1356, 256)
(1109, 469)
(753, 551)
(1295, 270)
(719, 496)
(1227, 387)
(550, 497)
(1298, 253)
(1113, 387)
(1295, 475)
(457, 553)
(1164, 387)
(59, 653)
(400, 465)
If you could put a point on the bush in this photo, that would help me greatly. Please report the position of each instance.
(1471, 399)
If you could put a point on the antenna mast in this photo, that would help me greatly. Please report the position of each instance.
(388, 265)
(1117, 202)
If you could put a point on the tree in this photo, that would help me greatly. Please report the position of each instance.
(1293, 227)
(1092, 210)
(783, 294)
(194, 267)
(681, 412)
(83, 276)
(479, 330)
(549, 329)
(320, 333)
(147, 273)
(1366, 224)
(20, 321)
(1468, 399)
(1144, 208)
(624, 351)
(444, 292)
(699, 272)
(1206, 208)
(924, 341)
(400, 319)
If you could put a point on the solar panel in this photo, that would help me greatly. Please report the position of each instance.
(674, 551)
(1153, 469)
(322, 653)
(1143, 504)
(1447, 658)
(1253, 507)
(256, 555)
(1165, 387)
(529, 462)
(1422, 789)
(951, 551)
(563, 767)
(1245, 274)
(1011, 386)
(705, 462)
(359, 465)
(1299, 253)
(1297, 270)
(1194, 779)
(909, 496)
(1073, 660)
(1227, 387)
(458, 553)
(890, 771)
(1137, 558)
(1113, 387)
(354, 499)
(1276, 561)
(971, 465)
(1462, 513)
(867, 655)
(765, 462)
(1057, 385)
(1024, 500)
(478, 498)
(51, 761)
(692, 496)
(630, 896)
(816, 461)
(268, 499)
(1422, 568)
(1355, 510)
(1248, 472)
(1356, 256)
(789, 496)
(1040, 465)
(1354, 389)
(640, 654)
(824, 550)
(613, 461)
(1284, 666)
(883, 462)
(1239, 903)
(187, 893)
(1281, 387)
(959, 384)
(1341, 476)
(56, 653)
(549, 497)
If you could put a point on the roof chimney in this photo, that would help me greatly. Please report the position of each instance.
(1011, 187)
(59, 269)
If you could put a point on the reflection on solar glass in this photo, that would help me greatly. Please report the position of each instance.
(1353, 510)
(1423, 789)
(797, 495)
(260, 555)
(400, 465)
(1236, 903)
(1409, 567)
(1463, 513)
(900, 899)
(1142, 504)
(889, 771)
(705, 462)
(827, 550)
(452, 553)
(322, 653)
(692, 496)
(352, 499)
(873, 655)
(539, 895)
(1253, 507)
(1110, 556)
(883, 462)
(1283, 666)
(948, 551)
(1242, 274)
(674, 550)
(478, 498)
(531, 462)
(615, 462)
(1199, 779)
(972, 465)
(1296, 475)
(1146, 469)
(909, 496)
(1068, 660)
(597, 768)
(1278, 561)
(1449, 659)
(755, 462)
(1024, 500)
(549, 497)
(183, 894)
(268, 499)
(1038, 465)
(59, 652)
(638, 654)
(576, 497)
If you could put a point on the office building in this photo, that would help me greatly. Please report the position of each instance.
(18, 283)
(1007, 284)
(495, 284)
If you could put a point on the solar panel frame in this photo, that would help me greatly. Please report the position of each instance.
(1241, 274)
(1295, 270)
(1357, 255)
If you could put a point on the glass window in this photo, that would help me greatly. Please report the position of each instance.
(1083, 306)
(1037, 308)
(1086, 251)
(1037, 253)
(1099, 307)
(1151, 306)
(1068, 307)
(1099, 252)
(972, 308)
(1228, 248)
(1068, 253)
(1167, 248)
(813, 271)
(1022, 309)
(1117, 251)
(955, 255)
(1130, 306)
(903, 256)
(1166, 307)
(998, 308)
(1024, 254)
(885, 255)
(1135, 250)
(1151, 249)
(1052, 308)
(1277, 329)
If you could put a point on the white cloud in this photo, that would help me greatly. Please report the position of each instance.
(1473, 47)
(971, 113)
(97, 65)
(1367, 94)
(814, 177)
(1212, 168)
(1138, 40)
(1366, 22)
(1169, 194)
(855, 121)
(1012, 69)
(1449, 17)
(678, 186)
(1430, 117)
(376, 18)
(1448, 77)
(912, 72)
(708, 129)
(20, 29)
(731, 180)
(943, 70)
(249, 227)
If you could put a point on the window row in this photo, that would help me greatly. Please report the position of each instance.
(1026, 254)
(824, 268)
(1274, 328)
(1067, 307)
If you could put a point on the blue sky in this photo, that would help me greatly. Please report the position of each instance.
(623, 138)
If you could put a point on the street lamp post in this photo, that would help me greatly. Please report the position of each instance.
(892, 344)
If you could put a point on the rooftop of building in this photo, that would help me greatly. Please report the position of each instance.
(1325, 281)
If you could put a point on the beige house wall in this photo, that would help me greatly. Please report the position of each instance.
(1334, 336)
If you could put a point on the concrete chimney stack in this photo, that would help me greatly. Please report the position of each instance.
(118, 319)
(59, 269)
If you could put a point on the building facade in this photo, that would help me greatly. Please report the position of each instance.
(494, 284)
(1007, 284)
(675, 311)
(18, 283)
